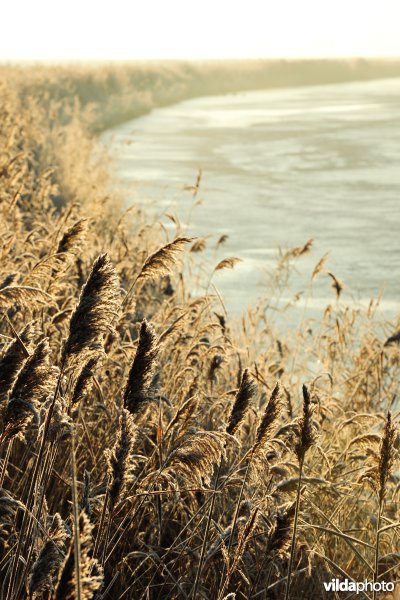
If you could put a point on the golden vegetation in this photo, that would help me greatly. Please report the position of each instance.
(149, 449)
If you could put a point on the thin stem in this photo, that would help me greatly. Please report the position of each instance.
(235, 518)
(377, 538)
(203, 547)
(5, 463)
(293, 544)
(77, 541)
(102, 519)
(32, 487)
(110, 518)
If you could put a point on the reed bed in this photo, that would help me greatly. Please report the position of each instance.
(150, 447)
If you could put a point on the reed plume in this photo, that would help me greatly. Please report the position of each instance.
(243, 541)
(84, 382)
(8, 507)
(60, 426)
(301, 250)
(393, 339)
(227, 263)
(307, 434)
(387, 455)
(120, 458)
(246, 392)
(9, 280)
(35, 382)
(48, 563)
(98, 305)
(137, 392)
(281, 532)
(319, 267)
(162, 261)
(91, 576)
(196, 457)
(25, 297)
(13, 357)
(45, 268)
(306, 437)
(184, 413)
(337, 285)
(268, 420)
(188, 526)
(381, 473)
(73, 237)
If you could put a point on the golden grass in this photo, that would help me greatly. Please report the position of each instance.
(146, 448)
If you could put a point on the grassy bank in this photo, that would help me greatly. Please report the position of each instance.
(114, 93)
(148, 448)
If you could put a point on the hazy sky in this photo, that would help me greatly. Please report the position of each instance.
(85, 29)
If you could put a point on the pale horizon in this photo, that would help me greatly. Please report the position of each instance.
(177, 30)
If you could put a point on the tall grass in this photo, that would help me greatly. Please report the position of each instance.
(149, 447)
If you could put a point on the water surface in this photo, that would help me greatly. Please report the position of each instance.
(280, 167)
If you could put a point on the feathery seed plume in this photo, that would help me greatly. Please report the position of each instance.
(35, 382)
(281, 533)
(9, 280)
(84, 382)
(228, 263)
(386, 455)
(137, 390)
(337, 285)
(50, 559)
(98, 304)
(307, 432)
(73, 237)
(120, 458)
(90, 580)
(13, 358)
(245, 393)
(196, 458)
(24, 296)
(271, 413)
(163, 260)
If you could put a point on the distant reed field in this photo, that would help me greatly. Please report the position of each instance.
(150, 447)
